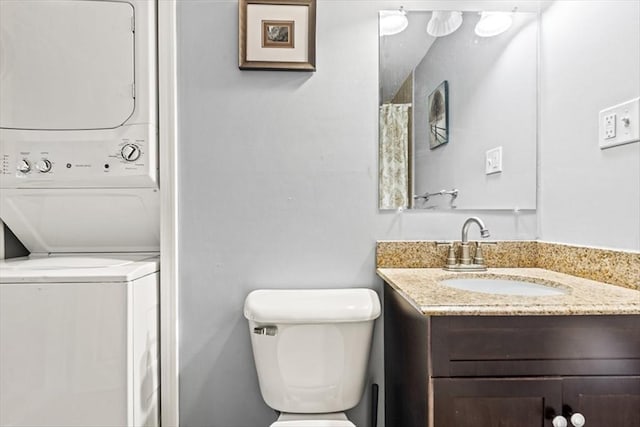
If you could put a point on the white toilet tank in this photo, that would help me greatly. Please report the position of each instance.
(311, 346)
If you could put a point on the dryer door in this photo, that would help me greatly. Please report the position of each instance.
(66, 64)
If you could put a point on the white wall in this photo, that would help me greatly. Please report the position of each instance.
(590, 61)
(492, 103)
(278, 188)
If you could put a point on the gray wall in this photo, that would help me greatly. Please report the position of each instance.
(278, 175)
(401, 53)
(590, 61)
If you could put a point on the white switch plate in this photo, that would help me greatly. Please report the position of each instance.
(619, 124)
(493, 161)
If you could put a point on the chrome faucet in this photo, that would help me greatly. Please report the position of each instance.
(484, 232)
(466, 263)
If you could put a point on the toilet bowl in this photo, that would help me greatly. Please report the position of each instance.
(311, 349)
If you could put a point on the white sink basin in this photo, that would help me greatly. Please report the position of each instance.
(498, 286)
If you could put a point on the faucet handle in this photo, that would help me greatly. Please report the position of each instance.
(478, 259)
(451, 258)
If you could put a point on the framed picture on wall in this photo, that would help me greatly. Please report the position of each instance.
(438, 110)
(277, 35)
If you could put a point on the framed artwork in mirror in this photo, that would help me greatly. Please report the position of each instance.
(438, 108)
(277, 35)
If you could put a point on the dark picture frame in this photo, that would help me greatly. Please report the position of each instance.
(438, 115)
(277, 35)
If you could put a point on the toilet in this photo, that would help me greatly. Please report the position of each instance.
(311, 349)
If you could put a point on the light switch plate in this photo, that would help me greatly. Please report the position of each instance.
(493, 161)
(619, 124)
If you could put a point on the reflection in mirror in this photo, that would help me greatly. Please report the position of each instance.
(458, 111)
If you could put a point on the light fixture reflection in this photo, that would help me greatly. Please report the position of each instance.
(493, 23)
(444, 22)
(393, 22)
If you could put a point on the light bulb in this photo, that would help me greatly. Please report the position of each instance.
(493, 23)
(393, 22)
(444, 22)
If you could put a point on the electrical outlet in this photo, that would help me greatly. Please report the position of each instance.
(493, 161)
(610, 126)
(619, 124)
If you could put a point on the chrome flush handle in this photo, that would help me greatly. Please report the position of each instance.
(266, 330)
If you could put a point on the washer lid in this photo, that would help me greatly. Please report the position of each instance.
(66, 64)
(78, 268)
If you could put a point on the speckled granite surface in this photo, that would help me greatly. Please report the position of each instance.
(422, 288)
(430, 254)
(613, 267)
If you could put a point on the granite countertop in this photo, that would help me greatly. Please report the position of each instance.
(421, 288)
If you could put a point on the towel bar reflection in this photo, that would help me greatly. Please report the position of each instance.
(426, 196)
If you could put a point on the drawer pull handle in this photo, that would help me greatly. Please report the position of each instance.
(559, 421)
(578, 420)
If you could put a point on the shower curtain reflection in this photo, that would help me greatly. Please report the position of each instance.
(395, 135)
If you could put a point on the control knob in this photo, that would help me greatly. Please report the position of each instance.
(43, 166)
(24, 166)
(130, 152)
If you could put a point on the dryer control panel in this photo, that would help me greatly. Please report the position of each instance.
(122, 157)
(79, 100)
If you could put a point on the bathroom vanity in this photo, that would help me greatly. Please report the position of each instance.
(461, 358)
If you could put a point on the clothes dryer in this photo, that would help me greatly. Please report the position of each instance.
(78, 125)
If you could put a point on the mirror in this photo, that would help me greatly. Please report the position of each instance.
(458, 111)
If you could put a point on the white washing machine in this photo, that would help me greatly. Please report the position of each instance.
(79, 188)
(79, 340)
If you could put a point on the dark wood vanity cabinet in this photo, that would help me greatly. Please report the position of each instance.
(513, 402)
(509, 371)
(604, 401)
(522, 402)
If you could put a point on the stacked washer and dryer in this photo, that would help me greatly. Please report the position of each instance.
(79, 188)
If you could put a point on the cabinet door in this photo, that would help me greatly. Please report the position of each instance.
(496, 402)
(604, 401)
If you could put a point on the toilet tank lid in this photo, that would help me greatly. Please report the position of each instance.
(311, 305)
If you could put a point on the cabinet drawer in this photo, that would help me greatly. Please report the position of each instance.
(464, 346)
(523, 402)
